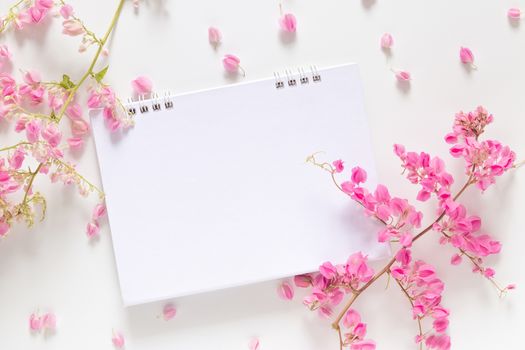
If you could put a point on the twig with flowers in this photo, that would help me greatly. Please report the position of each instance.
(37, 108)
(485, 160)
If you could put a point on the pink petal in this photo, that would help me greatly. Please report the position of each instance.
(387, 41)
(466, 55)
(403, 76)
(4, 52)
(286, 291)
(49, 321)
(35, 322)
(66, 11)
(338, 165)
(288, 23)
(142, 85)
(514, 13)
(99, 211)
(231, 63)
(118, 340)
(92, 229)
(169, 311)
(214, 36)
(254, 344)
(456, 259)
(75, 143)
(4, 228)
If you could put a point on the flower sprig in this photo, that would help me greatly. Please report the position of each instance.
(485, 160)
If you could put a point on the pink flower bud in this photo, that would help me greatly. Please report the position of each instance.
(387, 41)
(142, 85)
(75, 143)
(456, 259)
(288, 23)
(466, 56)
(169, 311)
(118, 340)
(254, 344)
(403, 76)
(286, 291)
(66, 11)
(4, 228)
(214, 36)
(72, 27)
(231, 64)
(92, 229)
(514, 13)
(338, 165)
(35, 322)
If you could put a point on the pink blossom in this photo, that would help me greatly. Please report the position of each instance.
(33, 130)
(66, 11)
(351, 318)
(74, 111)
(32, 77)
(72, 27)
(118, 340)
(358, 175)
(387, 41)
(51, 134)
(79, 127)
(456, 259)
(99, 211)
(403, 76)
(44, 4)
(466, 56)
(17, 158)
(4, 228)
(338, 165)
(514, 13)
(49, 321)
(214, 36)
(35, 322)
(92, 229)
(75, 143)
(288, 23)
(285, 291)
(254, 344)
(303, 281)
(169, 311)
(231, 64)
(4, 52)
(142, 85)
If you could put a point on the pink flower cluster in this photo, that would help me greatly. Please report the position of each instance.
(485, 160)
(330, 285)
(356, 332)
(396, 213)
(45, 322)
(35, 13)
(422, 286)
(104, 97)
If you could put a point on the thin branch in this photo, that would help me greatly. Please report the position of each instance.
(412, 304)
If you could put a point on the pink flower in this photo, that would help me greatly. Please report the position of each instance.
(286, 291)
(288, 23)
(74, 111)
(33, 130)
(338, 165)
(99, 211)
(75, 143)
(32, 78)
(35, 14)
(514, 13)
(254, 344)
(358, 175)
(387, 41)
(35, 322)
(17, 158)
(403, 76)
(51, 134)
(4, 228)
(363, 345)
(79, 127)
(142, 85)
(351, 318)
(169, 311)
(4, 52)
(456, 259)
(66, 11)
(303, 281)
(118, 340)
(92, 229)
(44, 4)
(72, 27)
(49, 321)
(466, 56)
(214, 36)
(231, 64)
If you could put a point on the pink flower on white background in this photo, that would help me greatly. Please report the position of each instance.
(288, 23)
(66, 11)
(285, 291)
(514, 13)
(387, 41)
(118, 340)
(72, 27)
(214, 36)
(169, 311)
(254, 344)
(466, 56)
(403, 76)
(232, 64)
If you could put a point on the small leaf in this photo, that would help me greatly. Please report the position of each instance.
(100, 75)
(66, 82)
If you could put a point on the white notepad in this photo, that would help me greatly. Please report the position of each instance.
(214, 191)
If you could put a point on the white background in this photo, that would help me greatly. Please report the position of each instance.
(54, 266)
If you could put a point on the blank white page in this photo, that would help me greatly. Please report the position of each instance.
(215, 192)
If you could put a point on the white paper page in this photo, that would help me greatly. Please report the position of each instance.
(216, 193)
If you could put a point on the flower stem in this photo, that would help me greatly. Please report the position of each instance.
(93, 62)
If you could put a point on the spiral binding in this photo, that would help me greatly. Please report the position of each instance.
(142, 105)
(290, 78)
